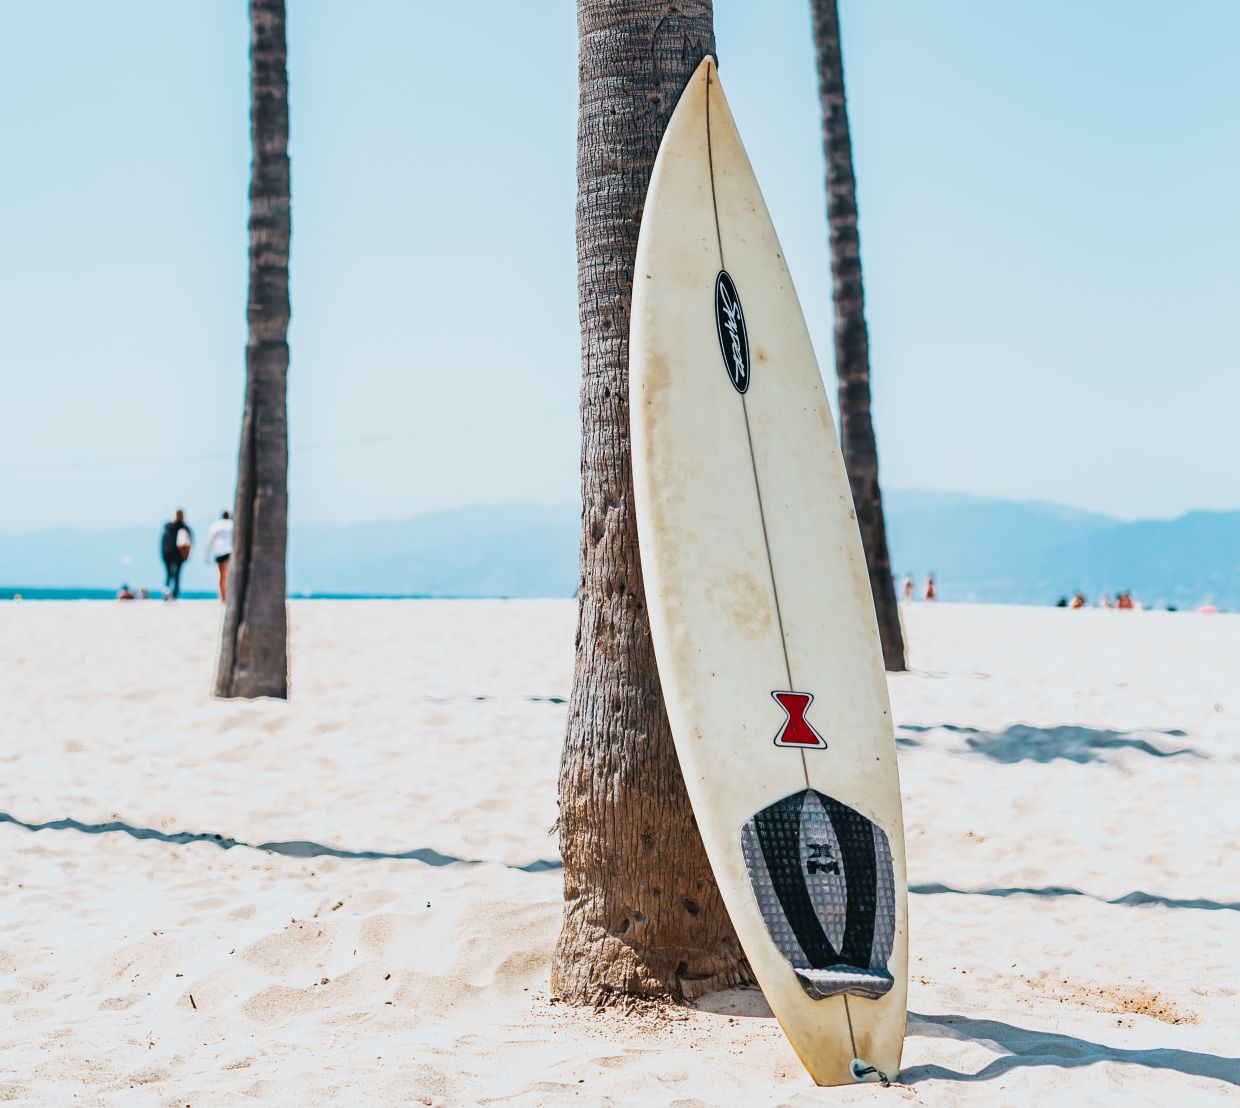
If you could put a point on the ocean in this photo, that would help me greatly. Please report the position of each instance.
(110, 594)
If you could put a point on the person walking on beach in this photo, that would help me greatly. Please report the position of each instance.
(932, 590)
(175, 546)
(219, 546)
(906, 590)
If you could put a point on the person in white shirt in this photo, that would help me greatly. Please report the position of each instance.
(219, 545)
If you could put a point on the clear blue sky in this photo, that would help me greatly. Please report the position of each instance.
(1049, 218)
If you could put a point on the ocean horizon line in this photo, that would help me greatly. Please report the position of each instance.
(24, 594)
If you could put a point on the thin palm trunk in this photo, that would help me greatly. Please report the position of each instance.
(642, 913)
(852, 341)
(253, 659)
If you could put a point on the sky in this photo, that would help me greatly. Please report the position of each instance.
(1049, 225)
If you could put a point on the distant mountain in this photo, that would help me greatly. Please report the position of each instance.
(504, 550)
(981, 549)
(1030, 552)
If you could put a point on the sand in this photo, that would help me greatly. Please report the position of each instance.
(1070, 782)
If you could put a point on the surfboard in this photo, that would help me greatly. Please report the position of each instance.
(760, 607)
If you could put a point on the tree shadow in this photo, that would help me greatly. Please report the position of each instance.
(296, 848)
(1136, 897)
(1023, 743)
(482, 697)
(1026, 1048)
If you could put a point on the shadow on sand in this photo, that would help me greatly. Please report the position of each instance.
(1023, 743)
(480, 698)
(1025, 1047)
(1128, 899)
(297, 848)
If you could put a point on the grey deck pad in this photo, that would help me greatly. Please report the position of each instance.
(822, 876)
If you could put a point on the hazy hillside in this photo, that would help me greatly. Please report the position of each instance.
(506, 550)
(987, 550)
(981, 548)
(1031, 552)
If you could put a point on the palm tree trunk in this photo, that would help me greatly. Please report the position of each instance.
(253, 659)
(852, 342)
(642, 913)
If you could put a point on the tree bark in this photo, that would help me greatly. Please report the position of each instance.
(852, 342)
(253, 659)
(642, 914)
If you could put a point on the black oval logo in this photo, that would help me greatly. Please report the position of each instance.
(733, 335)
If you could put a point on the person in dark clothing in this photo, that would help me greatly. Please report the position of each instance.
(174, 548)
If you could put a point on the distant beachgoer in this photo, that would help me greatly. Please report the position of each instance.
(219, 546)
(932, 591)
(125, 593)
(1124, 600)
(1104, 601)
(174, 547)
(1078, 600)
(906, 590)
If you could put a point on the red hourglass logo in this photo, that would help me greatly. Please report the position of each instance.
(796, 729)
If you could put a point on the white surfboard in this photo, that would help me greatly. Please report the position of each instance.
(760, 605)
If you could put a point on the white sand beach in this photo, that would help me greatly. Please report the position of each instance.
(1070, 782)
